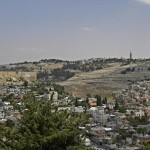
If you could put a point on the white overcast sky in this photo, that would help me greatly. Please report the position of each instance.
(73, 29)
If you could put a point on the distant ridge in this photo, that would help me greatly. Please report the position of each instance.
(64, 61)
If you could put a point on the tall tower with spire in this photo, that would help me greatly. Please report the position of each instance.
(130, 55)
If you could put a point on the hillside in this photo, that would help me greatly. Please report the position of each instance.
(90, 76)
(107, 80)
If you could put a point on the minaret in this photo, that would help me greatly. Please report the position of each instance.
(130, 55)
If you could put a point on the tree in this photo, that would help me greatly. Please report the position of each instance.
(104, 101)
(58, 88)
(41, 129)
(25, 84)
(122, 109)
(116, 105)
(145, 118)
(52, 96)
(87, 100)
(141, 130)
(9, 123)
(147, 147)
(76, 102)
(99, 101)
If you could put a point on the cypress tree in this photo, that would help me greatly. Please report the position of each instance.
(99, 101)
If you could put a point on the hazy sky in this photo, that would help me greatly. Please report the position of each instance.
(73, 29)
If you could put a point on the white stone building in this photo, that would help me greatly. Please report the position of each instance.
(99, 115)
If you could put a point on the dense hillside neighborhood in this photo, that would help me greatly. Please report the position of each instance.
(74, 75)
(117, 122)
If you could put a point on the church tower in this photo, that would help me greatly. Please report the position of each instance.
(130, 55)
